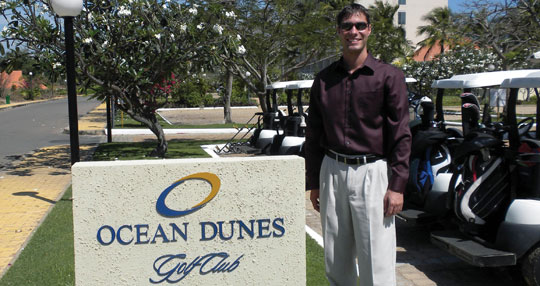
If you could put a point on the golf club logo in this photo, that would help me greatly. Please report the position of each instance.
(164, 210)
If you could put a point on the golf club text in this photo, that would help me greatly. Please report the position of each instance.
(173, 267)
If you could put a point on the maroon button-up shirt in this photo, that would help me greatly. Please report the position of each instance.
(361, 113)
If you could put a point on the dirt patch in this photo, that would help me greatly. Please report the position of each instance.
(209, 115)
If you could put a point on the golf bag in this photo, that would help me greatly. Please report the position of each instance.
(484, 193)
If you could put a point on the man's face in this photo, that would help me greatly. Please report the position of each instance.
(353, 39)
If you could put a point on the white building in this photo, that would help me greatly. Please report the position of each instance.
(410, 14)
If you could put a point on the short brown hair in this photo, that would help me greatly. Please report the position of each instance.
(350, 10)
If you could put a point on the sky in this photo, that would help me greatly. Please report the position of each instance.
(457, 5)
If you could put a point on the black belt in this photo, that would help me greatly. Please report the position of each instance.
(357, 160)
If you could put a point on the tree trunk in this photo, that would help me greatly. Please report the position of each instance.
(262, 100)
(227, 98)
(151, 121)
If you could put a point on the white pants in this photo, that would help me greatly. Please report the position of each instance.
(354, 226)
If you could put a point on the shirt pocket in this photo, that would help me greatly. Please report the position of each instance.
(368, 103)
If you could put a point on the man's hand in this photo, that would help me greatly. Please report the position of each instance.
(314, 197)
(393, 202)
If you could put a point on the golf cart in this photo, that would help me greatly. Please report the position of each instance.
(435, 141)
(274, 133)
(497, 201)
(292, 138)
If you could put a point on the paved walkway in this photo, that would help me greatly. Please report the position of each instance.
(30, 188)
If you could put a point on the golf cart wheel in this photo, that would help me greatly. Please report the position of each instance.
(531, 267)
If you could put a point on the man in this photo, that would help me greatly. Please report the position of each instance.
(357, 153)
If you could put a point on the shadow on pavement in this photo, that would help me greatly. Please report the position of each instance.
(56, 158)
(34, 195)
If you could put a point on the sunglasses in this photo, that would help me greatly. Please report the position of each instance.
(347, 26)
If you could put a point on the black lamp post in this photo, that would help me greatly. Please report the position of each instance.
(68, 9)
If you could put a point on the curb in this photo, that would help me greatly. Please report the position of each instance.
(25, 103)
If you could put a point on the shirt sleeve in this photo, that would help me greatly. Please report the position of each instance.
(397, 130)
(314, 133)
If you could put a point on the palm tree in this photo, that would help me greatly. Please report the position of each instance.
(387, 41)
(439, 31)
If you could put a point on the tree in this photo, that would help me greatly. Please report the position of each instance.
(124, 49)
(387, 41)
(505, 28)
(277, 39)
(4, 88)
(439, 31)
(459, 60)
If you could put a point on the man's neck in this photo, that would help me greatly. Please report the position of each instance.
(354, 61)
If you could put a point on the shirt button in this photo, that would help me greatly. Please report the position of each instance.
(347, 142)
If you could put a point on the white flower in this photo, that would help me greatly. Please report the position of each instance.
(105, 44)
(90, 16)
(57, 64)
(195, 5)
(248, 74)
(4, 29)
(124, 11)
(164, 6)
(218, 29)
(241, 50)
(230, 14)
(3, 4)
(238, 37)
(183, 27)
(200, 26)
(192, 11)
(87, 40)
(172, 36)
(158, 36)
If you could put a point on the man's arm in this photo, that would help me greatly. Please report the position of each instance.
(314, 152)
(314, 197)
(400, 142)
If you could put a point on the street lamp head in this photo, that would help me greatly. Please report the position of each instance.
(67, 8)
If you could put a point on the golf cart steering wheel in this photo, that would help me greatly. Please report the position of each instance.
(525, 125)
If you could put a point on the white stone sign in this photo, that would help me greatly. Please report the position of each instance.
(227, 221)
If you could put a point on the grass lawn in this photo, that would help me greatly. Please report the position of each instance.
(48, 257)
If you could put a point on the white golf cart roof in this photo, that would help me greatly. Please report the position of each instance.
(530, 81)
(285, 84)
(279, 84)
(477, 80)
(410, 80)
(300, 84)
(535, 57)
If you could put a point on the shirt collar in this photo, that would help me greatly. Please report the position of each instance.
(369, 63)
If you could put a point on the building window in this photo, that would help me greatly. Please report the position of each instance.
(402, 2)
(401, 18)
